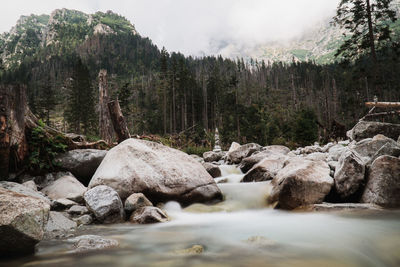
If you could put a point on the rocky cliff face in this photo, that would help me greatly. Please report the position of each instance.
(63, 27)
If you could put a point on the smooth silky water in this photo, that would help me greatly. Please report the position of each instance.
(241, 231)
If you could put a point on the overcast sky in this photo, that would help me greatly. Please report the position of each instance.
(194, 26)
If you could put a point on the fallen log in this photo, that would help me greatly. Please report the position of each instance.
(383, 104)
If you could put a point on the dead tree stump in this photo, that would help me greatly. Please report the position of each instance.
(118, 120)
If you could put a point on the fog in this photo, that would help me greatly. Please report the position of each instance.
(196, 27)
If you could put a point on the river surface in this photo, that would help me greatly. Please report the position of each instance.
(241, 231)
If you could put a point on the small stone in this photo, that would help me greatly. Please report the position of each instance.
(212, 169)
(62, 204)
(194, 250)
(135, 202)
(78, 210)
(84, 219)
(58, 225)
(148, 215)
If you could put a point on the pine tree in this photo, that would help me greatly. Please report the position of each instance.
(80, 110)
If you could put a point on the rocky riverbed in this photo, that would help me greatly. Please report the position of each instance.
(146, 204)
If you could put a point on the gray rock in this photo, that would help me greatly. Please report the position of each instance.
(247, 163)
(160, 172)
(22, 222)
(383, 183)
(301, 182)
(84, 219)
(78, 210)
(349, 175)
(105, 204)
(62, 204)
(368, 129)
(242, 152)
(21, 189)
(317, 156)
(82, 163)
(233, 147)
(212, 169)
(135, 202)
(370, 149)
(333, 165)
(197, 158)
(146, 215)
(30, 184)
(43, 181)
(334, 207)
(86, 243)
(211, 156)
(310, 149)
(58, 225)
(265, 170)
(335, 152)
(65, 187)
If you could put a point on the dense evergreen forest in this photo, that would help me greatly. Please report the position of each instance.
(164, 93)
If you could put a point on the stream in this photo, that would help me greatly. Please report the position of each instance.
(240, 231)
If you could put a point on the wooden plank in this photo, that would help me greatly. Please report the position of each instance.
(383, 104)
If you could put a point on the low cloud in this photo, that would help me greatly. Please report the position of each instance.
(197, 27)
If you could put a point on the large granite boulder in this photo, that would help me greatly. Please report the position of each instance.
(159, 172)
(65, 187)
(368, 129)
(247, 163)
(242, 152)
(383, 183)
(301, 182)
(335, 152)
(105, 203)
(266, 169)
(82, 163)
(24, 190)
(349, 174)
(370, 149)
(22, 222)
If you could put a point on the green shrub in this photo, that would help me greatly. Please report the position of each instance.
(43, 149)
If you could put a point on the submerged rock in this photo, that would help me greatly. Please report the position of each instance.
(82, 163)
(340, 207)
(349, 174)
(85, 243)
(65, 187)
(301, 182)
(159, 172)
(383, 183)
(22, 222)
(105, 204)
(148, 214)
(242, 152)
(194, 250)
(58, 225)
(212, 169)
(368, 129)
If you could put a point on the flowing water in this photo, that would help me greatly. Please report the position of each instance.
(241, 231)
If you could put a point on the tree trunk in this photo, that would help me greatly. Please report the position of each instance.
(383, 104)
(5, 139)
(373, 50)
(106, 132)
(118, 121)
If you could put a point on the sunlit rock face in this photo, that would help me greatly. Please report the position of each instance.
(159, 172)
